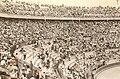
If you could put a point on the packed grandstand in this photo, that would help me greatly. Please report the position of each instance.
(57, 49)
(46, 10)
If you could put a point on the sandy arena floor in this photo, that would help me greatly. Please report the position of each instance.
(112, 73)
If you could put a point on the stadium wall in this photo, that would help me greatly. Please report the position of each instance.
(13, 16)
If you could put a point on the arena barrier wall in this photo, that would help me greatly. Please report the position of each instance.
(106, 67)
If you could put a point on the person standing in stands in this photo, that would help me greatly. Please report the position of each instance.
(0, 56)
(23, 52)
(31, 66)
(29, 73)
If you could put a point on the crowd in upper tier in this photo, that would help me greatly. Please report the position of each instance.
(91, 43)
(24, 8)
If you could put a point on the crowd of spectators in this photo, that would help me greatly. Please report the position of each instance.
(44, 10)
(8, 65)
(80, 47)
(69, 39)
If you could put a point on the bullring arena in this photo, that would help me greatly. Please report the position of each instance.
(59, 42)
(110, 71)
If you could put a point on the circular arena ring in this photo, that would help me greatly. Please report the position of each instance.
(111, 71)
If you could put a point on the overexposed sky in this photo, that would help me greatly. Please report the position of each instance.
(75, 2)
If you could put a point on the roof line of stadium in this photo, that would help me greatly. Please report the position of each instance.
(13, 16)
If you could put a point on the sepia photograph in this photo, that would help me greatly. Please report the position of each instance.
(59, 39)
